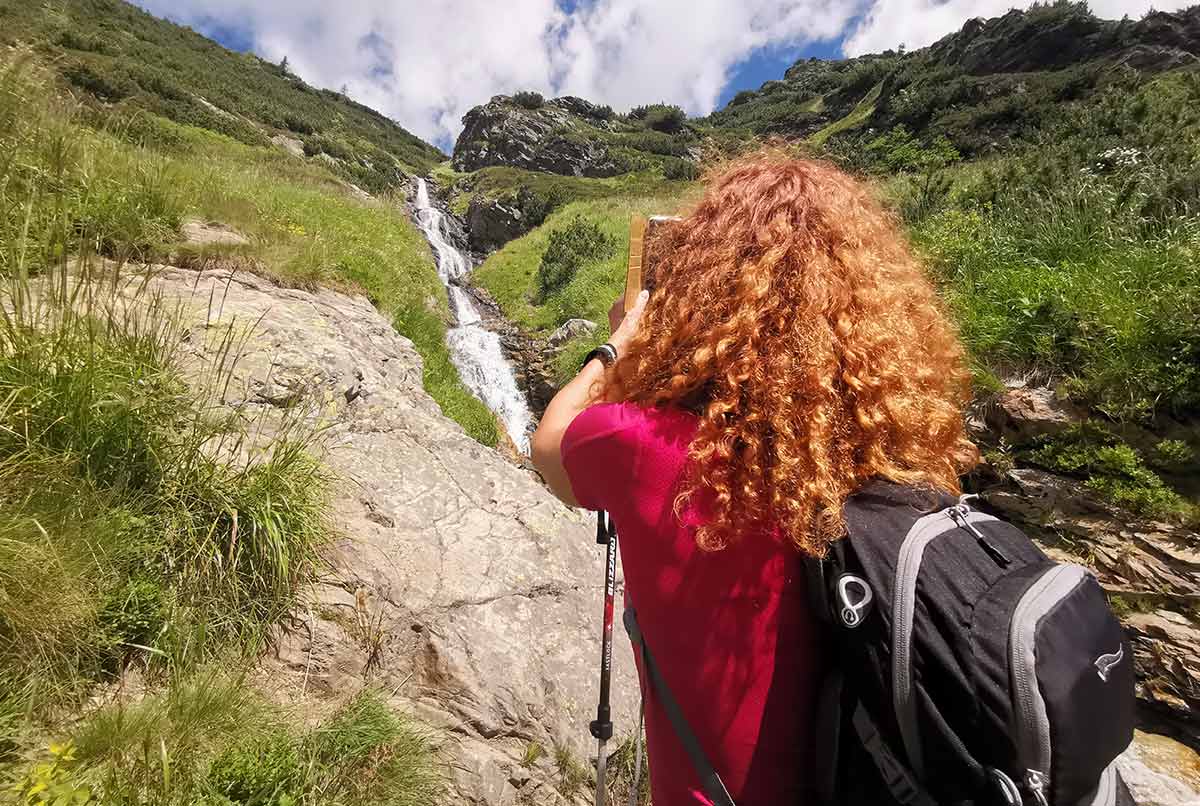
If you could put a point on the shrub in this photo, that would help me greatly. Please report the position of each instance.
(680, 169)
(569, 248)
(665, 118)
(742, 97)
(263, 772)
(104, 85)
(1111, 468)
(536, 205)
(298, 123)
(528, 99)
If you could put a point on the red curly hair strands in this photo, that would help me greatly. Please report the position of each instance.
(791, 315)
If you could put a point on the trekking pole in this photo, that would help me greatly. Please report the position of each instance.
(602, 727)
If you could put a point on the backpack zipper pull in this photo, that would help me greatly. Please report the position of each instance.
(1035, 782)
(958, 514)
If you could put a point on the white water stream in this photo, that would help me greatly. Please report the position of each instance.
(474, 349)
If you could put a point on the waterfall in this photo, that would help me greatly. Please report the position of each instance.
(474, 349)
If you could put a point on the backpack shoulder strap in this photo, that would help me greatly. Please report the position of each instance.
(714, 787)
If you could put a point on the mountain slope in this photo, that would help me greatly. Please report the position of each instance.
(991, 84)
(125, 60)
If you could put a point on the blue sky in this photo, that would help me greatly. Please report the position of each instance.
(425, 63)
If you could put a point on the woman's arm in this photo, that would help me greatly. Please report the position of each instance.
(572, 399)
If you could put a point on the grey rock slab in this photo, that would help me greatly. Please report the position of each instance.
(456, 579)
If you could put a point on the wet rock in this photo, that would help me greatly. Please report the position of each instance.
(457, 584)
(568, 330)
(1022, 415)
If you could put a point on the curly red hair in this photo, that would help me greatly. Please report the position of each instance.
(791, 315)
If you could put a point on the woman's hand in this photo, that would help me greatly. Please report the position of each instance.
(623, 325)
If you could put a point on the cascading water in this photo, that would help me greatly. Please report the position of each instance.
(474, 349)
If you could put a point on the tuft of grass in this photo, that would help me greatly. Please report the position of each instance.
(211, 740)
(533, 752)
(620, 773)
(572, 774)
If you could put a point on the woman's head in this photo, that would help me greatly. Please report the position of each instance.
(790, 313)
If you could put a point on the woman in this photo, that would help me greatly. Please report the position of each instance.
(792, 351)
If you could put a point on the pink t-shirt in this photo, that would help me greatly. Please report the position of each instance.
(730, 630)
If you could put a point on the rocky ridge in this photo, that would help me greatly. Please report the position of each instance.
(552, 137)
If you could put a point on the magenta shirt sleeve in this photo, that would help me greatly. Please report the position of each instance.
(599, 453)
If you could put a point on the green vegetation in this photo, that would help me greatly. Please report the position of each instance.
(115, 54)
(666, 118)
(129, 185)
(855, 119)
(528, 99)
(137, 521)
(143, 526)
(1112, 469)
(572, 774)
(1079, 257)
(210, 740)
(511, 274)
(569, 248)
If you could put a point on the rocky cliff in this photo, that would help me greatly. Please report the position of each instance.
(458, 584)
(551, 136)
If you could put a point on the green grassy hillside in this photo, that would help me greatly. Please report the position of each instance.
(125, 60)
(991, 86)
(139, 538)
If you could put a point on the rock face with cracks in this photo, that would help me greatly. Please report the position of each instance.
(457, 583)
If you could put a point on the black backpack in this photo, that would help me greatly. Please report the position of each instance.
(966, 667)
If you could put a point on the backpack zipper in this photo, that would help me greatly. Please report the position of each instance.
(1035, 782)
(958, 513)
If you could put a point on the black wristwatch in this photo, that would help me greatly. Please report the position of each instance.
(605, 352)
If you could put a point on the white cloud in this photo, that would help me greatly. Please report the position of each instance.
(916, 23)
(426, 62)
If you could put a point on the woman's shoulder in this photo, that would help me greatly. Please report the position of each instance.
(628, 422)
(606, 444)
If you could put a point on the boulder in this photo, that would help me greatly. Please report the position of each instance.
(289, 144)
(491, 223)
(457, 584)
(568, 330)
(1024, 414)
(1160, 771)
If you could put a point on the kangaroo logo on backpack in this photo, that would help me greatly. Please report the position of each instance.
(1105, 663)
(854, 595)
